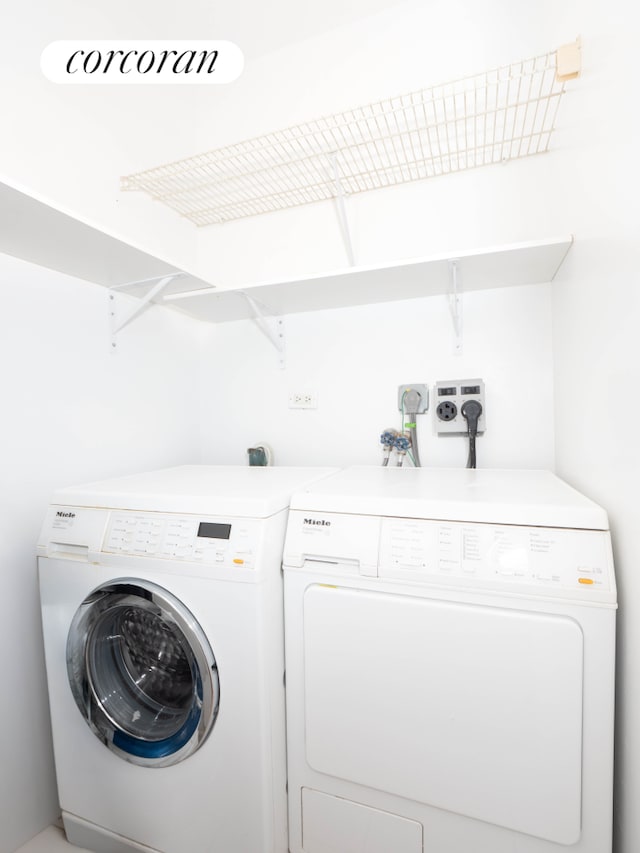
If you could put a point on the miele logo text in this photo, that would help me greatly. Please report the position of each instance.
(319, 522)
(65, 514)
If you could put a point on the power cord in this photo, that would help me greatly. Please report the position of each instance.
(410, 405)
(471, 411)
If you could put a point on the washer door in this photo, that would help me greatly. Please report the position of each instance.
(142, 672)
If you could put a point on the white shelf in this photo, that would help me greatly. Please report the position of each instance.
(502, 114)
(37, 232)
(502, 266)
(41, 234)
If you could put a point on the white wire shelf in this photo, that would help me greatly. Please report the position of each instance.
(499, 115)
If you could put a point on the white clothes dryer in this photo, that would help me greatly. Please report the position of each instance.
(163, 628)
(450, 664)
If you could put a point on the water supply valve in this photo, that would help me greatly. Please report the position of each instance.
(402, 445)
(388, 441)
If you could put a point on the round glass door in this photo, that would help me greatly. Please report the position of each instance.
(142, 673)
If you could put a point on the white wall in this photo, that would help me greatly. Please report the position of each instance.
(70, 144)
(72, 411)
(411, 46)
(354, 360)
(596, 320)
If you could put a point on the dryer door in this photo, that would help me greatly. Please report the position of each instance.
(142, 672)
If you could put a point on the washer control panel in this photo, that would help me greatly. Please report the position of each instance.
(226, 543)
(542, 557)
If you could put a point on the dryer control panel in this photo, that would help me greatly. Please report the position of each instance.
(545, 558)
(224, 542)
(555, 561)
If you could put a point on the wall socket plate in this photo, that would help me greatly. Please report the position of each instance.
(450, 396)
(423, 390)
(303, 400)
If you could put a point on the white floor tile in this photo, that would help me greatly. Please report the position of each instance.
(52, 840)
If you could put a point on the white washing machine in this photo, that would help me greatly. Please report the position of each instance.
(163, 628)
(450, 664)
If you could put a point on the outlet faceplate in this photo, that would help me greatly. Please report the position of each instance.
(423, 390)
(303, 400)
(449, 400)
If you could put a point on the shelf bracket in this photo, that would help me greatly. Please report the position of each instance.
(342, 211)
(568, 61)
(455, 304)
(118, 325)
(271, 327)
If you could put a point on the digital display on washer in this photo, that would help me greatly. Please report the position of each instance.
(211, 530)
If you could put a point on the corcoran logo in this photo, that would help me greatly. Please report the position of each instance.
(317, 522)
(131, 62)
(60, 514)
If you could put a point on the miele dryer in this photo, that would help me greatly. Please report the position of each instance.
(163, 629)
(450, 664)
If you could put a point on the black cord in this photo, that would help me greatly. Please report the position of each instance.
(471, 411)
(471, 458)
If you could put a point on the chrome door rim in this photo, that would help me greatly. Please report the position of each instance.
(106, 687)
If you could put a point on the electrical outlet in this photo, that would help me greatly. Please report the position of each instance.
(449, 400)
(423, 390)
(303, 400)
